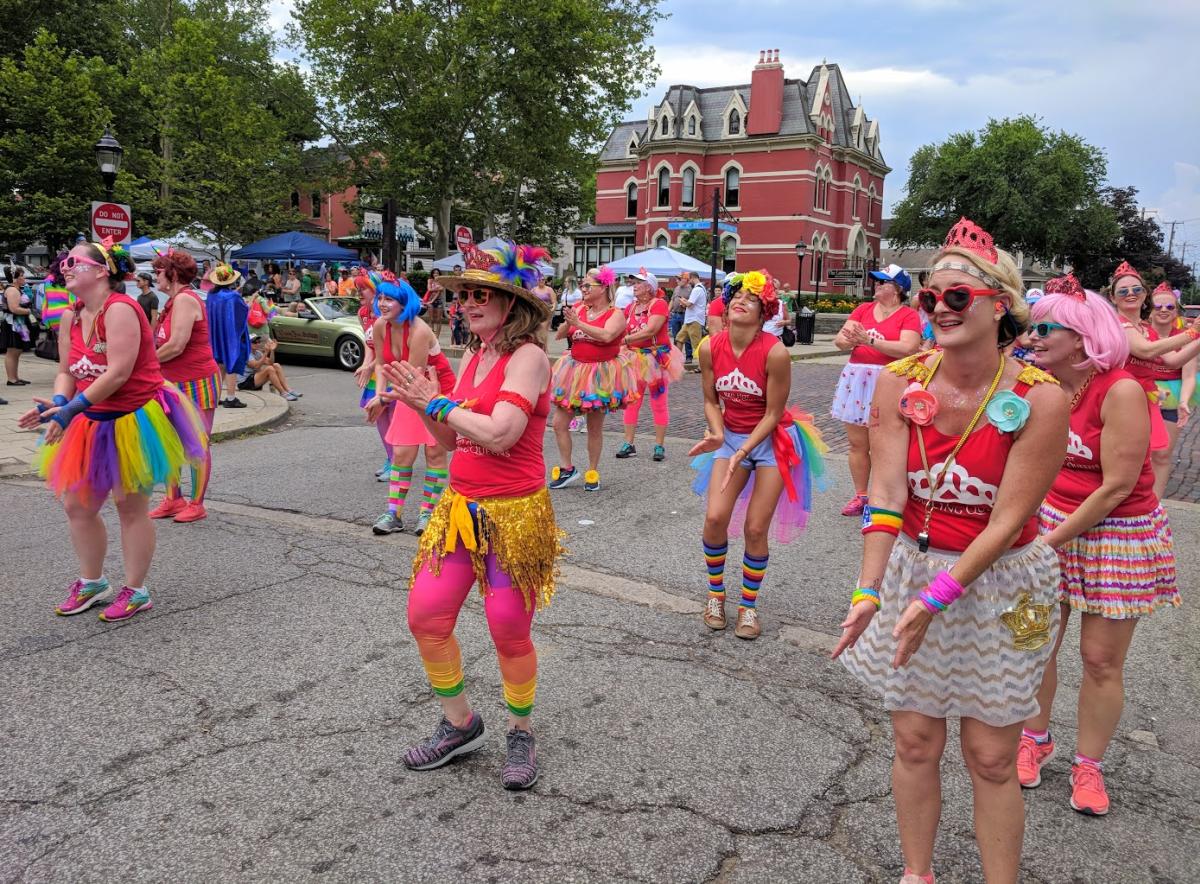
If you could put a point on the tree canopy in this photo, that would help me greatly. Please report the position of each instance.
(491, 111)
(1034, 189)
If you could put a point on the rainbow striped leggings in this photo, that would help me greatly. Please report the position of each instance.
(433, 606)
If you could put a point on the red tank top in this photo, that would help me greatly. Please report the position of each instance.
(638, 318)
(476, 471)
(89, 360)
(965, 498)
(196, 361)
(1082, 472)
(1144, 371)
(583, 348)
(741, 383)
(1164, 372)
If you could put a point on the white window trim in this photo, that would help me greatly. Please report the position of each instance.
(688, 164)
(661, 232)
(652, 186)
(735, 102)
(724, 189)
(625, 194)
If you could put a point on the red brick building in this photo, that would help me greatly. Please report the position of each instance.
(794, 160)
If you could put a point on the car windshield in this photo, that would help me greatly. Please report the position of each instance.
(335, 308)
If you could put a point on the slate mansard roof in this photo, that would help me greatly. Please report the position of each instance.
(798, 98)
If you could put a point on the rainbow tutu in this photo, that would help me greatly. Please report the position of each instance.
(657, 367)
(800, 458)
(125, 452)
(1169, 392)
(585, 387)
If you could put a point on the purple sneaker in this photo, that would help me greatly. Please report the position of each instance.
(446, 743)
(82, 596)
(520, 767)
(126, 604)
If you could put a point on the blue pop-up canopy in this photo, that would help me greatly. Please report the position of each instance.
(293, 246)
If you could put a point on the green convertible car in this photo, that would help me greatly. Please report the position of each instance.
(323, 326)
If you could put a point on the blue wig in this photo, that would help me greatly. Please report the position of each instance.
(405, 294)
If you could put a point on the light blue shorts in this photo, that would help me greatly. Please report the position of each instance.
(763, 454)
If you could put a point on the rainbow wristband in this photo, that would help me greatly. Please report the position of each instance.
(875, 519)
(439, 408)
(865, 594)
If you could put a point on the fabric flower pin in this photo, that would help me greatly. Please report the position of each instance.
(918, 405)
(1007, 411)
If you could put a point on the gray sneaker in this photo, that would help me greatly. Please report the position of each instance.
(422, 522)
(520, 767)
(447, 743)
(388, 524)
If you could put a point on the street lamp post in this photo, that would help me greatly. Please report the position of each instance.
(800, 248)
(108, 158)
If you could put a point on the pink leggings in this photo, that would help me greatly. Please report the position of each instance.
(433, 606)
(658, 408)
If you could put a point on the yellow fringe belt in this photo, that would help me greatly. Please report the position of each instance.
(521, 531)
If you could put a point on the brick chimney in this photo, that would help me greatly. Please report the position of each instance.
(766, 95)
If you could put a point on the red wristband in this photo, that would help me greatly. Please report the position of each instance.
(884, 529)
(515, 399)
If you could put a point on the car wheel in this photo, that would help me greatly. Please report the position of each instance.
(349, 353)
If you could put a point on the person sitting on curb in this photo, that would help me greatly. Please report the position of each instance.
(260, 370)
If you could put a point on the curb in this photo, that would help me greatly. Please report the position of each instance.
(266, 424)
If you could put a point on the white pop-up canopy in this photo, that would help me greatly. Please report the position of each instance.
(662, 262)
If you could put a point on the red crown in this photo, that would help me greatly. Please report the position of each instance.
(1163, 288)
(968, 235)
(1066, 285)
(1124, 269)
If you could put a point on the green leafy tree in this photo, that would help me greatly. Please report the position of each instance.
(697, 244)
(1140, 242)
(1034, 189)
(490, 112)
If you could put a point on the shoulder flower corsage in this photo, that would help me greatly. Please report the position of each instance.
(1007, 411)
(918, 405)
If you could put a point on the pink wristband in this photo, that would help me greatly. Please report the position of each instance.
(942, 592)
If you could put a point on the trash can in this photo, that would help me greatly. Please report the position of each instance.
(806, 325)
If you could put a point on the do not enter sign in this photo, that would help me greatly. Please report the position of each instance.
(112, 219)
(463, 237)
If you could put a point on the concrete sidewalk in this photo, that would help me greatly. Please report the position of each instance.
(17, 446)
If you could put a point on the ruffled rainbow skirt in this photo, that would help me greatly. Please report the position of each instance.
(586, 387)
(125, 452)
(657, 367)
(800, 458)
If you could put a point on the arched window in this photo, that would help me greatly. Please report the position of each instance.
(732, 190)
(662, 241)
(631, 200)
(735, 122)
(689, 187)
(871, 206)
(818, 180)
(662, 126)
(316, 203)
(728, 254)
(828, 182)
(691, 125)
(664, 187)
(295, 201)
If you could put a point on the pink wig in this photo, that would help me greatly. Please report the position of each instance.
(1094, 320)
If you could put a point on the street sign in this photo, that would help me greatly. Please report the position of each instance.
(689, 225)
(844, 274)
(463, 238)
(727, 227)
(112, 219)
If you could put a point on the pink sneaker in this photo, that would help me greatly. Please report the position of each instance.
(169, 507)
(1088, 795)
(126, 604)
(1031, 758)
(193, 512)
(82, 596)
(855, 506)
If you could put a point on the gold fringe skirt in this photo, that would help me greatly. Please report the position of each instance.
(520, 531)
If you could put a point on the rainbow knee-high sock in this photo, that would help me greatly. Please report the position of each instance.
(435, 484)
(398, 488)
(753, 569)
(714, 561)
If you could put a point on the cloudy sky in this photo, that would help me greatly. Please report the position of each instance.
(1123, 74)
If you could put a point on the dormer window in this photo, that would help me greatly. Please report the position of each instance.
(662, 127)
(632, 149)
(691, 125)
(735, 122)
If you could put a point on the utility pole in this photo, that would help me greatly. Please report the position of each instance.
(716, 242)
(1171, 238)
(389, 234)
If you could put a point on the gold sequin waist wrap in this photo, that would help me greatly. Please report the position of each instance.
(520, 531)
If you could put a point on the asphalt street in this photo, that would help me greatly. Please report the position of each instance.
(250, 726)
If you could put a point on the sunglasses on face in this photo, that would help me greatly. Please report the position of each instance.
(478, 297)
(1170, 308)
(1043, 329)
(1129, 290)
(957, 298)
(72, 261)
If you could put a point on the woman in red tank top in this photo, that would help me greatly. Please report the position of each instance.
(656, 360)
(592, 378)
(400, 335)
(754, 448)
(494, 525)
(1176, 384)
(185, 354)
(1148, 353)
(1102, 515)
(124, 431)
(955, 613)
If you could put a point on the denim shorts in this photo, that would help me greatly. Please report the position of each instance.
(1170, 415)
(762, 455)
